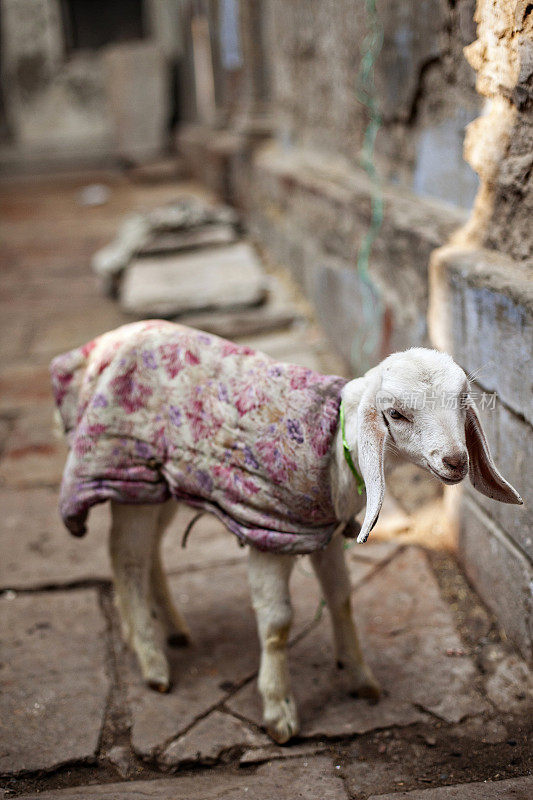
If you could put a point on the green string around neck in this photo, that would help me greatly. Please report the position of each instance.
(348, 456)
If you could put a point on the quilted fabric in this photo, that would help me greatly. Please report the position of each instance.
(154, 410)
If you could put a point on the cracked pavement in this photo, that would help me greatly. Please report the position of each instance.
(75, 718)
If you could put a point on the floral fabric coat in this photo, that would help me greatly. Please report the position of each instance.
(154, 410)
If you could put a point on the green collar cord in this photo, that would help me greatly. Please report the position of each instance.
(348, 456)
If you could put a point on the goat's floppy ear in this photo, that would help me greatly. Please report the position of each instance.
(372, 434)
(483, 473)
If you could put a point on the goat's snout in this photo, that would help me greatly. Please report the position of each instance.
(456, 461)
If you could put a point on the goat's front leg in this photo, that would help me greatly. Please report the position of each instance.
(269, 583)
(134, 533)
(331, 571)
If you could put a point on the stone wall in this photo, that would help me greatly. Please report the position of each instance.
(304, 192)
(424, 88)
(482, 309)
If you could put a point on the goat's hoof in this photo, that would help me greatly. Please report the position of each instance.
(281, 720)
(155, 671)
(364, 685)
(178, 640)
(159, 686)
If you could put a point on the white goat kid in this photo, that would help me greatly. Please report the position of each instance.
(414, 406)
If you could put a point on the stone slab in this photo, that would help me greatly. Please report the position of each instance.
(61, 333)
(53, 678)
(273, 752)
(221, 277)
(500, 573)
(216, 604)
(293, 347)
(280, 310)
(406, 630)
(217, 608)
(314, 779)
(510, 687)
(162, 242)
(38, 551)
(237, 324)
(363, 777)
(513, 789)
(22, 385)
(207, 741)
(34, 454)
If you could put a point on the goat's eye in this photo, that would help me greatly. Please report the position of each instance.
(394, 414)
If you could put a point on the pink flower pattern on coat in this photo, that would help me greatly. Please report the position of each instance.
(154, 410)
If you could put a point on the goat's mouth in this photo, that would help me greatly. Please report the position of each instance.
(444, 478)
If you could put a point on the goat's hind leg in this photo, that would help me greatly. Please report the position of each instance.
(134, 532)
(331, 571)
(176, 629)
(269, 584)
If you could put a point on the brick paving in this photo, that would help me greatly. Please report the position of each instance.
(75, 719)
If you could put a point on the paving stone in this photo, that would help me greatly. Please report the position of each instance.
(372, 551)
(53, 678)
(123, 761)
(217, 608)
(362, 777)
(314, 779)
(34, 454)
(272, 753)
(510, 688)
(209, 739)
(22, 385)
(5, 430)
(70, 329)
(221, 277)
(405, 637)
(162, 242)
(39, 551)
(216, 604)
(480, 729)
(413, 631)
(513, 789)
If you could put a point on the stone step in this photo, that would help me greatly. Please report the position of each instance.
(216, 278)
(162, 242)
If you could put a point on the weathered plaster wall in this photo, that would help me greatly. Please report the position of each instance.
(85, 106)
(424, 87)
(482, 308)
(50, 103)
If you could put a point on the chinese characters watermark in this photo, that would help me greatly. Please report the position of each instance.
(417, 401)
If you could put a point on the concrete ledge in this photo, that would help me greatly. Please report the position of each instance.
(509, 437)
(501, 574)
(491, 322)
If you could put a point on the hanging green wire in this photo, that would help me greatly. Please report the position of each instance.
(367, 338)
